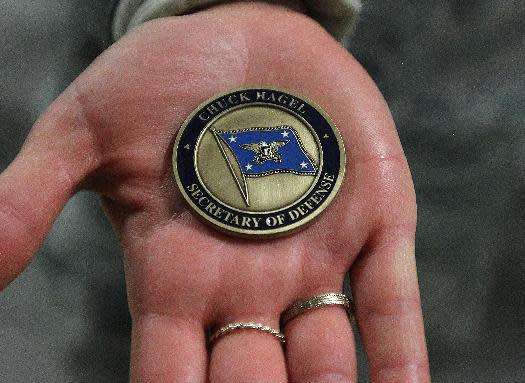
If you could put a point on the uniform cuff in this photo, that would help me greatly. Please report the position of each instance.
(337, 16)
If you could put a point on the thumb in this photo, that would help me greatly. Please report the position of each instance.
(55, 159)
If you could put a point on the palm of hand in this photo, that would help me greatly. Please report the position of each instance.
(183, 276)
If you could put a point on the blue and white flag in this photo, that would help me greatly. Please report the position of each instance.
(264, 151)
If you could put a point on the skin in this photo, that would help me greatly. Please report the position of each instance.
(112, 132)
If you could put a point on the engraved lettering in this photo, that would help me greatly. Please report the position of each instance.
(218, 212)
(197, 193)
(315, 199)
(233, 99)
(228, 215)
(192, 187)
(245, 222)
(307, 204)
(329, 177)
(210, 208)
(271, 221)
(212, 109)
(244, 97)
(293, 214)
(282, 99)
(235, 220)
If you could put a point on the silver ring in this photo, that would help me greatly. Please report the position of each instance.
(229, 328)
(328, 299)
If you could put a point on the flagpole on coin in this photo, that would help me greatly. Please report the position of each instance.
(244, 191)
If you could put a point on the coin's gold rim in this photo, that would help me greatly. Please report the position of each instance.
(285, 229)
(312, 131)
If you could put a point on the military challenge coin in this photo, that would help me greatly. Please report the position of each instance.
(258, 161)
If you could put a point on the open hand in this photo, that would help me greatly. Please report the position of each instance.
(112, 131)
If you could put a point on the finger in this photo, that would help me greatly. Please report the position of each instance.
(33, 190)
(249, 356)
(388, 308)
(320, 347)
(168, 349)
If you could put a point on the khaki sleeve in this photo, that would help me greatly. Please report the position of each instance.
(337, 16)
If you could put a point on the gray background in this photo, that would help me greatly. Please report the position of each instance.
(453, 75)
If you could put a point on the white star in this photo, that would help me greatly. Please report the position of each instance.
(233, 139)
(304, 165)
(285, 134)
(248, 167)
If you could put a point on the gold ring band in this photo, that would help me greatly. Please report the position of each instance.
(328, 299)
(245, 326)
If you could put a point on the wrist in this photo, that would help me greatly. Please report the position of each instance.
(130, 14)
